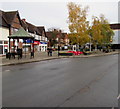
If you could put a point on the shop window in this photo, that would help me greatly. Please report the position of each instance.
(5, 42)
(5, 51)
(1, 42)
(1, 49)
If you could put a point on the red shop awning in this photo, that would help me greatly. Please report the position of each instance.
(36, 42)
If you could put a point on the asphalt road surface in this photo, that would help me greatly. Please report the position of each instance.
(68, 82)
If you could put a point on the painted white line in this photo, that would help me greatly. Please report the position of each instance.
(118, 97)
(7, 70)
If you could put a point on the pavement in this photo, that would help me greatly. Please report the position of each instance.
(42, 56)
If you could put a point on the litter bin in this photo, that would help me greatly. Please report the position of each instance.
(32, 54)
(8, 55)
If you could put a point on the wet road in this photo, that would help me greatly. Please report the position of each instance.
(72, 82)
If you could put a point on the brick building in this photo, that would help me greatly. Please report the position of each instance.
(59, 38)
(10, 22)
(38, 33)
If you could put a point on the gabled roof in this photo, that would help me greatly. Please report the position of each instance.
(8, 17)
(115, 26)
(21, 33)
(3, 21)
(64, 35)
(58, 34)
(49, 35)
(32, 28)
(24, 24)
(41, 29)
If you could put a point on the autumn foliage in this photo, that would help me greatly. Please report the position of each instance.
(80, 29)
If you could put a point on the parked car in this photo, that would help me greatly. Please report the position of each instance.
(53, 49)
(76, 52)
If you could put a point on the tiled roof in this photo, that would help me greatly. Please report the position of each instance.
(24, 25)
(32, 28)
(49, 35)
(3, 21)
(8, 17)
(60, 35)
(21, 33)
(41, 29)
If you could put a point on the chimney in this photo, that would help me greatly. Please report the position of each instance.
(54, 29)
(24, 20)
(60, 31)
(25, 25)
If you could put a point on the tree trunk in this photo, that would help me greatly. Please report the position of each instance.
(95, 47)
(77, 47)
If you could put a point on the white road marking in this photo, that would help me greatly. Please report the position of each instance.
(118, 97)
(7, 70)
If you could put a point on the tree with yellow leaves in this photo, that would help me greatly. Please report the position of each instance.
(106, 31)
(81, 33)
(96, 31)
(78, 24)
(101, 32)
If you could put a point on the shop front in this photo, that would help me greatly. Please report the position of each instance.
(3, 47)
(36, 46)
(40, 46)
(27, 45)
(43, 46)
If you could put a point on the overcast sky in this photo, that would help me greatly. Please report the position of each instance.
(54, 14)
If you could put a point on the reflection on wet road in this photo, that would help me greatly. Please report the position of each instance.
(72, 82)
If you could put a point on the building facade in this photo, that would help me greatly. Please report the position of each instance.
(116, 37)
(42, 38)
(10, 23)
(4, 40)
(57, 38)
(39, 34)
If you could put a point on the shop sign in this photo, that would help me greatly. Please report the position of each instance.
(36, 42)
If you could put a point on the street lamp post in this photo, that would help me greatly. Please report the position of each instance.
(90, 43)
(58, 49)
(58, 45)
(90, 35)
